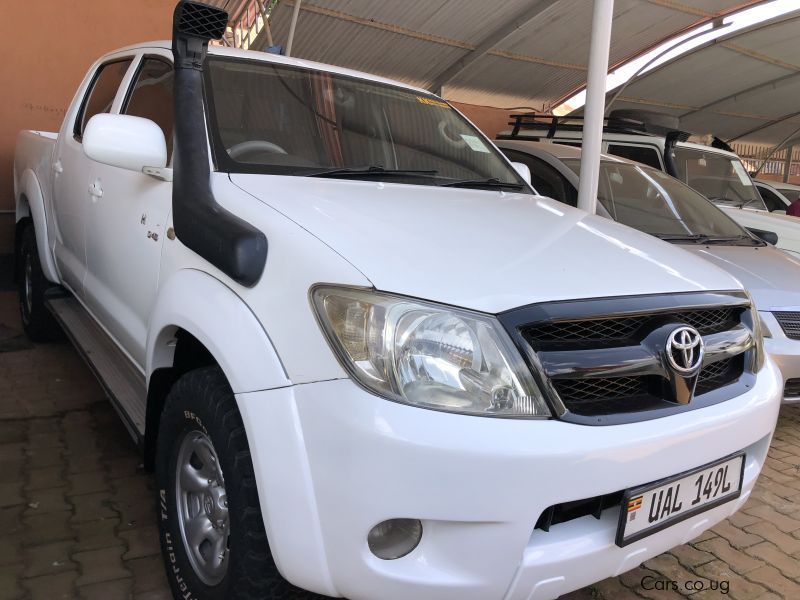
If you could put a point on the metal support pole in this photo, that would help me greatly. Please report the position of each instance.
(265, 19)
(787, 163)
(595, 104)
(789, 139)
(292, 26)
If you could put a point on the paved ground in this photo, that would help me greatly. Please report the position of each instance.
(77, 518)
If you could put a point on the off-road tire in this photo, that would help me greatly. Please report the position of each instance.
(202, 400)
(37, 321)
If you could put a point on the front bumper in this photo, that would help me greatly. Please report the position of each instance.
(784, 351)
(332, 461)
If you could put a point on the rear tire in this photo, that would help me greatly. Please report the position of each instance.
(201, 435)
(37, 321)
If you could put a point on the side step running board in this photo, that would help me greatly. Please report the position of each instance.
(125, 385)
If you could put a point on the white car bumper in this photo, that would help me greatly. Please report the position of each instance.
(332, 461)
(785, 352)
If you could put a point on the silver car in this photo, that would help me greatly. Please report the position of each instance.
(651, 201)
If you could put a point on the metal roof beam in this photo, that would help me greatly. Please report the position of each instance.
(489, 42)
(721, 41)
(775, 84)
(769, 123)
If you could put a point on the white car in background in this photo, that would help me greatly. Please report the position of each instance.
(653, 139)
(774, 201)
(789, 191)
(776, 195)
(651, 201)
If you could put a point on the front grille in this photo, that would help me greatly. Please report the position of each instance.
(621, 331)
(600, 396)
(591, 397)
(604, 361)
(792, 388)
(582, 390)
(790, 323)
(718, 374)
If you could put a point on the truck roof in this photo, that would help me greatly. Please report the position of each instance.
(635, 138)
(274, 58)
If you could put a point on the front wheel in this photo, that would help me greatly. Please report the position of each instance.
(212, 533)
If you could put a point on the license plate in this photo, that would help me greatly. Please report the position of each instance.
(652, 507)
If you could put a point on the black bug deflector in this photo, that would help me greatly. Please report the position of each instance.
(223, 239)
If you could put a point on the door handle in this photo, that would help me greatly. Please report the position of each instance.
(57, 168)
(96, 190)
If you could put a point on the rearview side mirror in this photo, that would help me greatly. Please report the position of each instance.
(125, 141)
(523, 171)
(768, 236)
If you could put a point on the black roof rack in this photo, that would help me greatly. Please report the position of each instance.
(552, 124)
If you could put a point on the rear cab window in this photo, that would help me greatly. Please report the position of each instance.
(101, 93)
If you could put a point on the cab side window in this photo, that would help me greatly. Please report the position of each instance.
(150, 96)
(640, 154)
(101, 93)
(546, 180)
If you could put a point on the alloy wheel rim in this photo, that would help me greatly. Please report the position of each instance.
(202, 507)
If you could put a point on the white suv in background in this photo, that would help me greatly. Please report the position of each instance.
(654, 140)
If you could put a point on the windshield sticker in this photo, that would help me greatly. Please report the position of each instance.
(474, 142)
(739, 169)
(432, 102)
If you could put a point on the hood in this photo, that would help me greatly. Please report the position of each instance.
(786, 226)
(485, 250)
(771, 276)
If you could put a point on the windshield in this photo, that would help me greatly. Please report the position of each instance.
(720, 178)
(651, 201)
(277, 119)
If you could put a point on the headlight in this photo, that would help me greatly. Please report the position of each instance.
(427, 355)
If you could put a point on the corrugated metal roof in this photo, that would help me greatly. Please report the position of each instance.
(742, 87)
(537, 52)
(535, 65)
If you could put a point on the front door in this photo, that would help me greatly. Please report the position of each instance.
(127, 225)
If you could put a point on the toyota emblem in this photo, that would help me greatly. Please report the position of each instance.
(685, 350)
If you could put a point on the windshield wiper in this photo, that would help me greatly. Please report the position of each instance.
(492, 182)
(372, 171)
(748, 202)
(697, 238)
(689, 237)
(736, 238)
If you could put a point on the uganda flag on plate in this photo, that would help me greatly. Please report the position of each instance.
(634, 504)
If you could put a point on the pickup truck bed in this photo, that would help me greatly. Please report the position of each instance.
(34, 151)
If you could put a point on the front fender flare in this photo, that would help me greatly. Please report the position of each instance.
(209, 310)
(30, 189)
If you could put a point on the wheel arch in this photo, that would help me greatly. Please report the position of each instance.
(198, 321)
(30, 205)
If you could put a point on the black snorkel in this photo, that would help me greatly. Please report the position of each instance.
(229, 243)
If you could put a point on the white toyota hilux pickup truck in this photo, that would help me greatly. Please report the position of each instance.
(362, 356)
